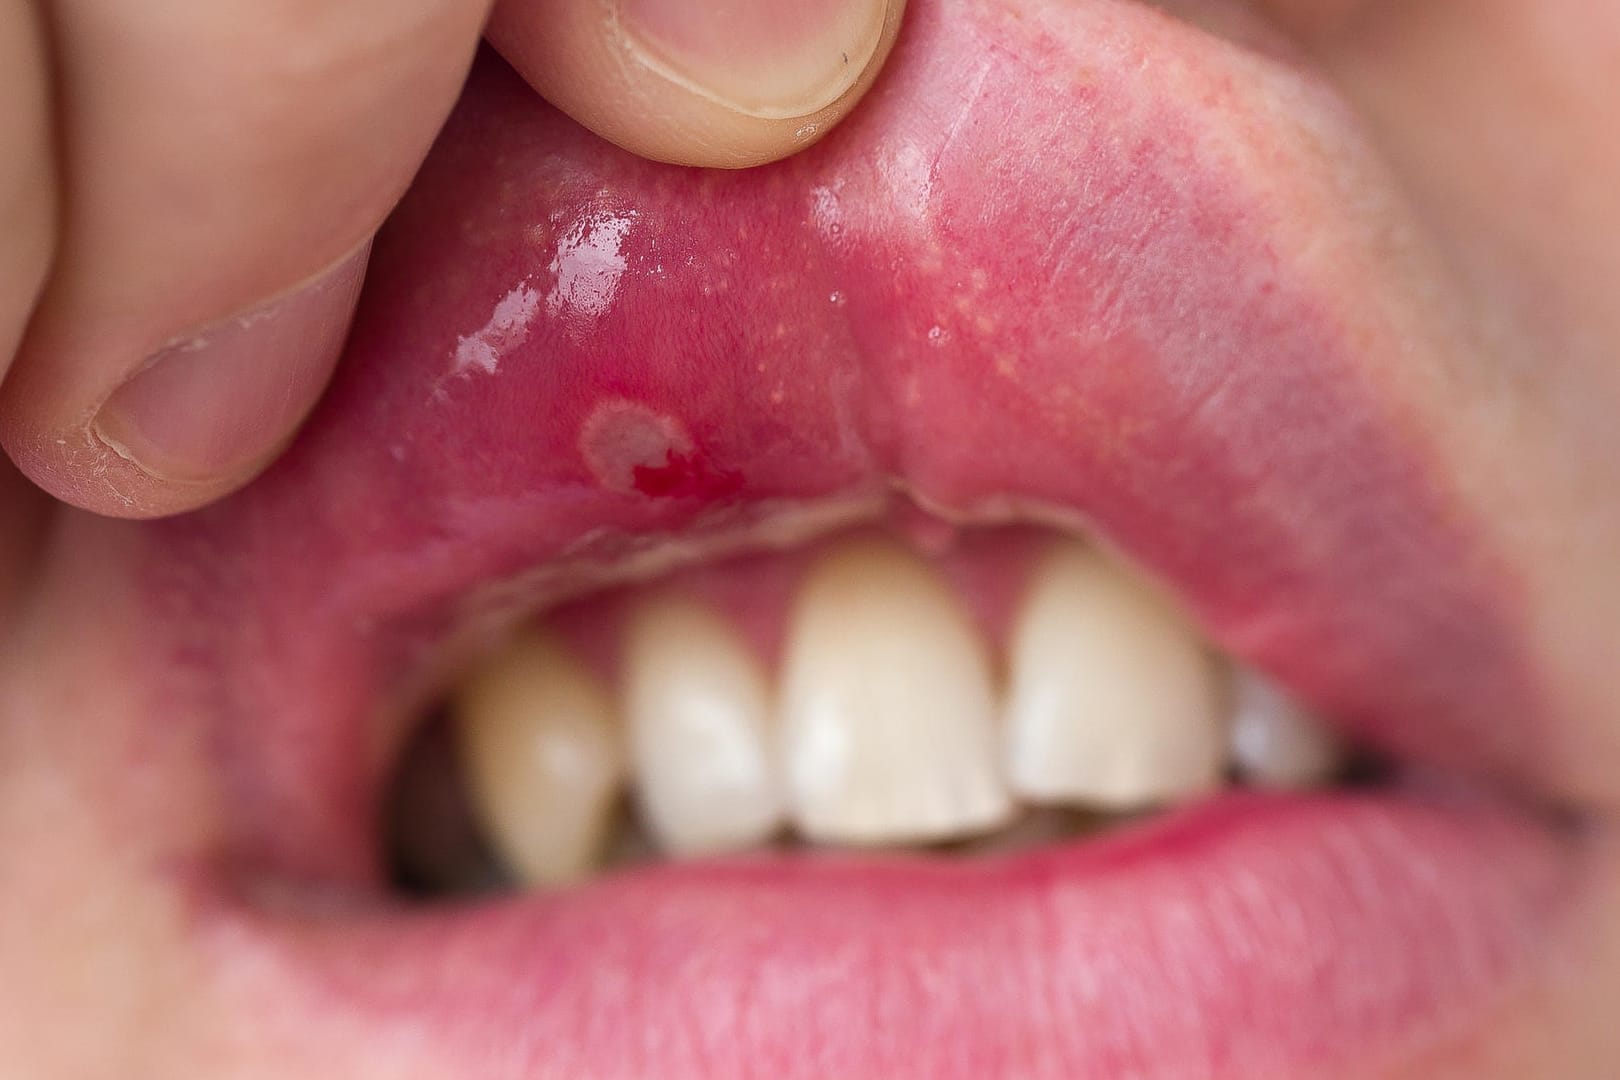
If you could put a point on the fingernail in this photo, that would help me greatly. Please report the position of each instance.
(774, 59)
(216, 403)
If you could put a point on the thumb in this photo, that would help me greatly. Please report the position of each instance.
(700, 82)
(222, 166)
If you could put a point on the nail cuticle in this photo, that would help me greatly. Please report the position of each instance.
(847, 56)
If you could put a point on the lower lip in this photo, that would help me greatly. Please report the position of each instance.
(1252, 935)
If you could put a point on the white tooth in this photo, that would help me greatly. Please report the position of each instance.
(887, 709)
(541, 748)
(1275, 741)
(1113, 701)
(697, 703)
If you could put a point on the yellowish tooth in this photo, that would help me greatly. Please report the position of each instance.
(697, 703)
(1275, 741)
(886, 705)
(540, 743)
(1113, 701)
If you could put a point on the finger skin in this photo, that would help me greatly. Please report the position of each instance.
(27, 182)
(579, 56)
(214, 155)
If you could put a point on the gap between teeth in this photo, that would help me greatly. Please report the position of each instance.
(888, 722)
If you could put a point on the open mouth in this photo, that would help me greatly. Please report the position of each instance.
(998, 689)
(959, 602)
(989, 759)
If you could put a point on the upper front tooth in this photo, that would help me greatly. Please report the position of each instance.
(1275, 741)
(887, 707)
(1113, 701)
(697, 703)
(541, 747)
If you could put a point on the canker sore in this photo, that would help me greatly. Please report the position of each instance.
(632, 449)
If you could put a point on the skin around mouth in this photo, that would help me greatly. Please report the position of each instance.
(1026, 282)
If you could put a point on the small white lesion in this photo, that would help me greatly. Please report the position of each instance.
(622, 436)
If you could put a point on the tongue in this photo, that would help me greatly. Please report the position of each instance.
(1063, 262)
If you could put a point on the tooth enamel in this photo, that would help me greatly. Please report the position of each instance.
(540, 744)
(1113, 701)
(887, 708)
(1275, 741)
(697, 704)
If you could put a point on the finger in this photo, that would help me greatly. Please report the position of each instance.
(27, 205)
(225, 163)
(696, 82)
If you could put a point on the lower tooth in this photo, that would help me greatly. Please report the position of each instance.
(887, 706)
(1276, 743)
(539, 742)
(1113, 701)
(696, 706)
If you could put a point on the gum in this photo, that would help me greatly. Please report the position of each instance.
(987, 569)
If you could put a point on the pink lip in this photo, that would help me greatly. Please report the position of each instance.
(1254, 936)
(1024, 271)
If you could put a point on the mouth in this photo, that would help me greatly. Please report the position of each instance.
(975, 464)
